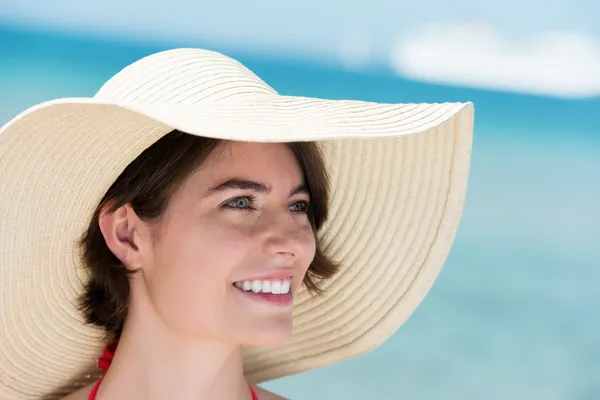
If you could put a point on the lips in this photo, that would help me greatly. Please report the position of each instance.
(269, 298)
(272, 291)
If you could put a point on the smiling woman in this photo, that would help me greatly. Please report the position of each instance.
(184, 223)
(194, 176)
(193, 233)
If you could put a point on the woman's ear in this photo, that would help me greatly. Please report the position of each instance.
(121, 233)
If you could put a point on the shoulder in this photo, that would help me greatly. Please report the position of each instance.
(81, 394)
(265, 394)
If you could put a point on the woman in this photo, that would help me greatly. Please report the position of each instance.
(170, 229)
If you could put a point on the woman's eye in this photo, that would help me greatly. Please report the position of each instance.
(300, 206)
(247, 202)
(239, 202)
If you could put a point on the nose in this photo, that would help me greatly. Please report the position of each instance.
(285, 236)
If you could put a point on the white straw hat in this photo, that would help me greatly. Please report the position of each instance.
(404, 168)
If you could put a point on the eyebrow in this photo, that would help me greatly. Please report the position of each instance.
(256, 187)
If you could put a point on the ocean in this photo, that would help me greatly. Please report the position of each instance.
(515, 313)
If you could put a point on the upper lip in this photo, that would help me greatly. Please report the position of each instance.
(279, 274)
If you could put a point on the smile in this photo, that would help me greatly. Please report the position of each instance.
(275, 286)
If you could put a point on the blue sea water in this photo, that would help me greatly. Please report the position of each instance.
(515, 313)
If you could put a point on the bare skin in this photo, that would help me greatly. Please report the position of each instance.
(186, 321)
(84, 393)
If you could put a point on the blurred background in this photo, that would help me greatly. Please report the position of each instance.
(515, 313)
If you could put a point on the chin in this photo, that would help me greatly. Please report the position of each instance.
(273, 336)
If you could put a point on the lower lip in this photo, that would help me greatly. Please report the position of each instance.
(275, 299)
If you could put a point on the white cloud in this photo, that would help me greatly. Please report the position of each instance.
(563, 64)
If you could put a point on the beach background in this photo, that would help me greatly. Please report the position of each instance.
(515, 313)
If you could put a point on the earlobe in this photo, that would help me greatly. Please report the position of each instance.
(118, 229)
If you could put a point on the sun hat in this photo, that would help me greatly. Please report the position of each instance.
(399, 178)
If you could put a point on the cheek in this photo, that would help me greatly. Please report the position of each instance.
(193, 275)
(308, 245)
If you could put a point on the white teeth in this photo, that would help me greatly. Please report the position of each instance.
(257, 286)
(285, 286)
(276, 287)
(266, 287)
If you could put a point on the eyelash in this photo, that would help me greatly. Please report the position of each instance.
(252, 199)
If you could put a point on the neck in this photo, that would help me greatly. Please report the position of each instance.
(152, 362)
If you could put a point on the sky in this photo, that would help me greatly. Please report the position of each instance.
(545, 47)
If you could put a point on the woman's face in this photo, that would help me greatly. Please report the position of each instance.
(238, 223)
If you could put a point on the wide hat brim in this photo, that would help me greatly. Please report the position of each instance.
(399, 177)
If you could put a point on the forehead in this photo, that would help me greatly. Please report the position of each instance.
(271, 163)
(251, 157)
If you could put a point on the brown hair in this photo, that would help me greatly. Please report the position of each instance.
(148, 184)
